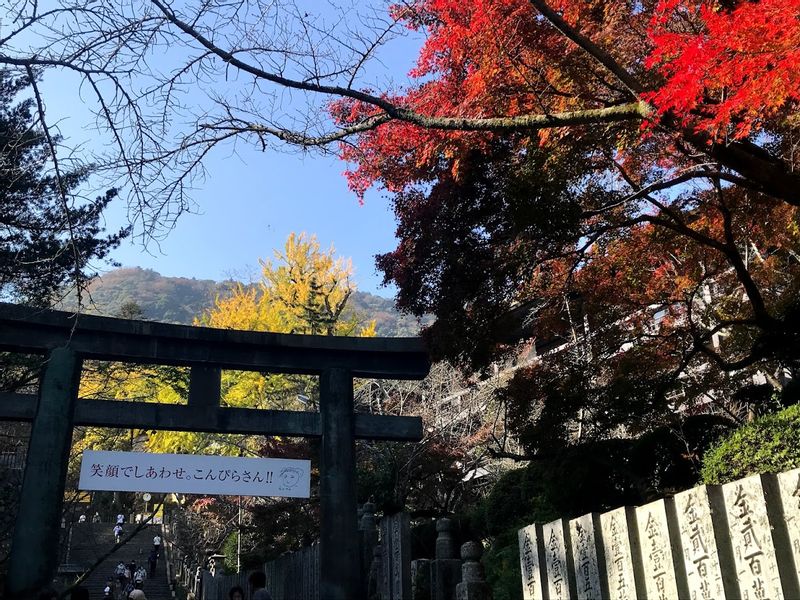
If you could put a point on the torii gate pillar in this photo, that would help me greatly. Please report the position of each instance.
(339, 553)
(34, 549)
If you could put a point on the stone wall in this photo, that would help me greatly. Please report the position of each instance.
(739, 540)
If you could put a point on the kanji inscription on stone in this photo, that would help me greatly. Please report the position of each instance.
(789, 484)
(555, 536)
(530, 565)
(619, 554)
(584, 537)
(658, 562)
(753, 549)
(699, 545)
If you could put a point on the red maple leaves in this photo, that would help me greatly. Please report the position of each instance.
(721, 68)
(726, 70)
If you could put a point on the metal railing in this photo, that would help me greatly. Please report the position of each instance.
(14, 460)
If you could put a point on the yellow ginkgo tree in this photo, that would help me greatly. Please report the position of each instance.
(304, 291)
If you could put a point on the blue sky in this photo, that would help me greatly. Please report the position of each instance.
(251, 200)
(249, 204)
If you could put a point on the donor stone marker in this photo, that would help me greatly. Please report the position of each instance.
(620, 549)
(585, 538)
(699, 545)
(396, 542)
(660, 556)
(558, 560)
(529, 563)
(753, 548)
(789, 484)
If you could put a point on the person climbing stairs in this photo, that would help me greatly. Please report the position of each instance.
(89, 541)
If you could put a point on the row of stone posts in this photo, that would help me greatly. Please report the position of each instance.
(392, 575)
(737, 541)
(446, 576)
(437, 579)
(388, 573)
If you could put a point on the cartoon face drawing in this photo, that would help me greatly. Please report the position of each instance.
(290, 477)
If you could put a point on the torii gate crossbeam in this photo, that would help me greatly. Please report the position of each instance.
(67, 339)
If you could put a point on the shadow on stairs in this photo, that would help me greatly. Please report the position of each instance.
(89, 541)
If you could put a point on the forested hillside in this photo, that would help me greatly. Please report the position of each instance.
(180, 299)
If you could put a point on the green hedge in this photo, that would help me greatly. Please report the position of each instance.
(770, 444)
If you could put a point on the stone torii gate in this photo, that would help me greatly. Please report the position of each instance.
(66, 340)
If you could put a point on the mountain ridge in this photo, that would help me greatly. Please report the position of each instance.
(181, 299)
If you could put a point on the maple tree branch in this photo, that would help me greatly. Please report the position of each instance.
(729, 366)
(674, 221)
(592, 49)
(630, 111)
(613, 114)
(742, 272)
(767, 173)
(728, 248)
(666, 184)
(679, 226)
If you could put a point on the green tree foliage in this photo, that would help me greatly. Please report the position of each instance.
(769, 444)
(46, 240)
(49, 237)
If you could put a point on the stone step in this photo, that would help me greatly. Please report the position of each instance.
(90, 540)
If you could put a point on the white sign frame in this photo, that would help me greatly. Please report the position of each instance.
(194, 474)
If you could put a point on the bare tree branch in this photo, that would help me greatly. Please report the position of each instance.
(62, 188)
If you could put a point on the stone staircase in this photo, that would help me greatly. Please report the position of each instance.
(88, 541)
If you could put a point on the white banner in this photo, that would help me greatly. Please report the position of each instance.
(194, 474)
